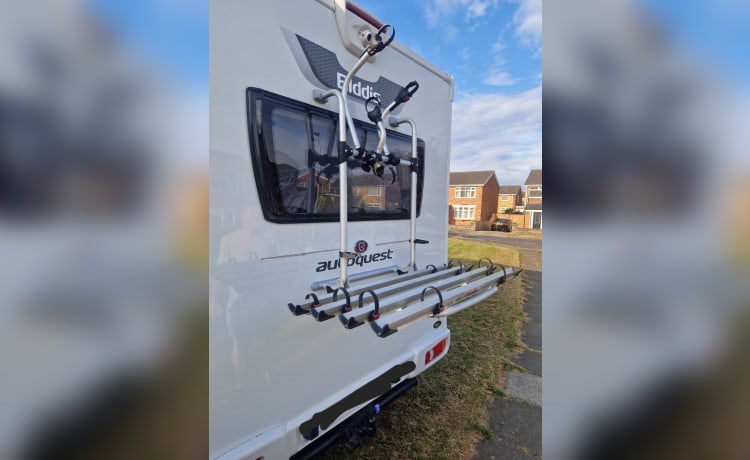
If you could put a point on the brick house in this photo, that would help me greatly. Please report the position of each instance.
(472, 197)
(509, 197)
(369, 193)
(533, 199)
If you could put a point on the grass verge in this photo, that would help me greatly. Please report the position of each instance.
(445, 415)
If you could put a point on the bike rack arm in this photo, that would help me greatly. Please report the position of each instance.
(403, 96)
(413, 210)
(374, 46)
(321, 96)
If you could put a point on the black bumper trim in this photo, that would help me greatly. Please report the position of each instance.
(337, 434)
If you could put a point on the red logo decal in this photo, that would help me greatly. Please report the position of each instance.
(360, 246)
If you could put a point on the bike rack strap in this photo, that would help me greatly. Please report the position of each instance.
(299, 311)
(375, 314)
(375, 114)
(491, 267)
(505, 274)
(460, 265)
(383, 331)
(404, 94)
(439, 306)
(348, 307)
(351, 323)
(376, 41)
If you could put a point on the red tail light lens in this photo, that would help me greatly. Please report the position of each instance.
(436, 351)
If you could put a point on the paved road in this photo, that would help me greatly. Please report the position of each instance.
(516, 420)
(501, 238)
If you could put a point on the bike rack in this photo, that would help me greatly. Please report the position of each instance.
(389, 306)
(399, 301)
(389, 303)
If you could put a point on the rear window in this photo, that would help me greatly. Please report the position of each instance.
(294, 154)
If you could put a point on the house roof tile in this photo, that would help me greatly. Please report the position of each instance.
(509, 189)
(535, 177)
(471, 177)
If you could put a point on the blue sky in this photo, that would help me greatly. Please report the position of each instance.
(493, 49)
(174, 33)
(716, 31)
(474, 40)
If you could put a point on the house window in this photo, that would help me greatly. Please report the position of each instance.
(505, 198)
(466, 192)
(535, 192)
(373, 191)
(374, 206)
(463, 212)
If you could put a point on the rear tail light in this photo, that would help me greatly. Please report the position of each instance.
(436, 351)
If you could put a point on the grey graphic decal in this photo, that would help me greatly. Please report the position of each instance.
(321, 66)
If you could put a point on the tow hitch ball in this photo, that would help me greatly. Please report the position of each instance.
(366, 428)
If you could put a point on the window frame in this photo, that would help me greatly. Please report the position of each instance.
(463, 208)
(469, 190)
(262, 167)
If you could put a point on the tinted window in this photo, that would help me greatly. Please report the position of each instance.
(294, 153)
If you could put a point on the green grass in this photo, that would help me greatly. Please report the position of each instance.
(446, 414)
(473, 251)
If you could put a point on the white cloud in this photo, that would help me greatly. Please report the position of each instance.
(496, 74)
(498, 131)
(439, 12)
(528, 23)
(476, 9)
(498, 77)
(498, 47)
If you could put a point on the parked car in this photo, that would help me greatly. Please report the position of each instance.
(502, 225)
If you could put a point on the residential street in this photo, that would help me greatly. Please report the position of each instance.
(516, 419)
(506, 239)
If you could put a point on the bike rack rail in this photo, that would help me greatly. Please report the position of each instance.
(396, 302)
(397, 299)
(442, 302)
(322, 300)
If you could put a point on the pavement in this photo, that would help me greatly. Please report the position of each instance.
(516, 419)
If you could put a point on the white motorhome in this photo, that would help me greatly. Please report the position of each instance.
(321, 317)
